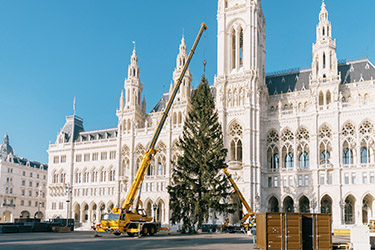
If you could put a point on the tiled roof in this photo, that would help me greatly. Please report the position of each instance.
(351, 71)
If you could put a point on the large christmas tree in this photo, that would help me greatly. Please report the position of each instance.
(198, 185)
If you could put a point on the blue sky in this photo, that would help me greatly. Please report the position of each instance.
(51, 51)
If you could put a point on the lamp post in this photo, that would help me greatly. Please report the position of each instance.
(154, 207)
(68, 191)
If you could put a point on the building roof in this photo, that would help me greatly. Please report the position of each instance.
(160, 106)
(72, 127)
(5, 148)
(97, 135)
(298, 79)
(7, 154)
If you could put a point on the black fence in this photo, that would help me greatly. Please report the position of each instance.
(28, 225)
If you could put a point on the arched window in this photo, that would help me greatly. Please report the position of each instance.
(304, 160)
(289, 162)
(149, 170)
(239, 151)
(179, 118)
(236, 150)
(321, 98)
(324, 157)
(324, 58)
(349, 210)
(347, 156)
(233, 49)
(275, 161)
(304, 205)
(273, 204)
(288, 205)
(241, 47)
(326, 205)
(160, 169)
(364, 154)
(328, 97)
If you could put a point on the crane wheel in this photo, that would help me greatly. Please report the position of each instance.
(144, 230)
(117, 234)
(131, 234)
(152, 230)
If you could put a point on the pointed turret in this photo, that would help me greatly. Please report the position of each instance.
(122, 100)
(184, 91)
(182, 56)
(324, 65)
(144, 105)
(133, 70)
(171, 88)
(133, 86)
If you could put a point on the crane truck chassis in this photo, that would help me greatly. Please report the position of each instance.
(135, 221)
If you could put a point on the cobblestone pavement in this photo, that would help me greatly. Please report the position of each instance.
(85, 240)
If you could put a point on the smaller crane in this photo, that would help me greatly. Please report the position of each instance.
(244, 226)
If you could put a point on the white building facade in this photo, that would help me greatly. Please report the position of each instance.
(23, 186)
(297, 141)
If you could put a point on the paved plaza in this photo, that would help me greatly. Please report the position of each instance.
(85, 240)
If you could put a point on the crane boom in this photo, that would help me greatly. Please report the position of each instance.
(250, 212)
(135, 221)
(146, 159)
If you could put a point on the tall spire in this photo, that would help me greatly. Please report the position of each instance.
(184, 91)
(122, 100)
(133, 71)
(182, 55)
(133, 86)
(324, 50)
(323, 12)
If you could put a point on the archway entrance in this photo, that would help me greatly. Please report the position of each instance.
(25, 214)
(326, 205)
(367, 208)
(149, 208)
(288, 205)
(273, 204)
(77, 213)
(7, 216)
(304, 205)
(349, 210)
(39, 215)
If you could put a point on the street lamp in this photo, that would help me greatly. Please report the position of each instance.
(68, 192)
(154, 207)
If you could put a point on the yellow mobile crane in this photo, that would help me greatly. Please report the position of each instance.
(244, 226)
(133, 221)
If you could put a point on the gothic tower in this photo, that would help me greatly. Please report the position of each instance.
(239, 86)
(184, 91)
(324, 65)
(132, 111)
(324, 79)
(182, 100)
